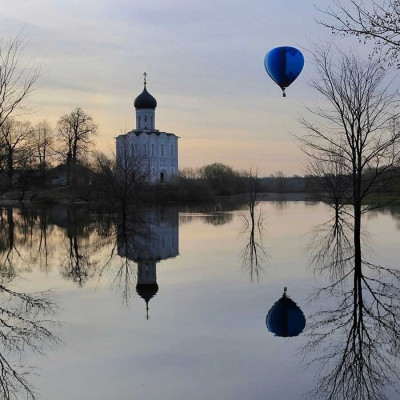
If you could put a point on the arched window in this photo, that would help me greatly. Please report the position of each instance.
(145, 122)
(138, 122)
(172, 152)
(144, 149)
(152, 149)
(162, 150)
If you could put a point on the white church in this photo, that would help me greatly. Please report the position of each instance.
(157, 151)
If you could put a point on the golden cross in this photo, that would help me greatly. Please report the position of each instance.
(145, 78)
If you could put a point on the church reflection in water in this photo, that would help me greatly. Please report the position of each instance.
(146, 239)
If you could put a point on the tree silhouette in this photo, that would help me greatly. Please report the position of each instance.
(355, 340)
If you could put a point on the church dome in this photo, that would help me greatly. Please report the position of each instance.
(146, 291)
(145, 101)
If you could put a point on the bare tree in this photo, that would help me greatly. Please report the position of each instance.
(17, 147)
(43, 143)
(17, 78)
(332, 181)
(355, 125)
(122, 179)
(75, 131)
(378, 21)
(356, 133)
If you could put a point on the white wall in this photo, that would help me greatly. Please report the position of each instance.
(157, 148)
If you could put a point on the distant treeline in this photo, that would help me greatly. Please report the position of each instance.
(100, 180)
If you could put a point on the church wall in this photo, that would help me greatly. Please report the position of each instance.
(157, 151)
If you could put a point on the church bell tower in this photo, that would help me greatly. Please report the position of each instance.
(145, 105)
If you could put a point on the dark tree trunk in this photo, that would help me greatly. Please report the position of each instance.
(10, 168)
(69, 165)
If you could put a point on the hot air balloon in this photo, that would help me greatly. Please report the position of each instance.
(284, 65)
(285, 318)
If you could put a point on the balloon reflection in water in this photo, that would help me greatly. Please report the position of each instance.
(285, 318)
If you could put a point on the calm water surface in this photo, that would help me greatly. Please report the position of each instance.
(202, 333)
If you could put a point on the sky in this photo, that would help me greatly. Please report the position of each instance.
(204, 61)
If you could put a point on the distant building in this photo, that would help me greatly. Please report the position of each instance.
(155, 152)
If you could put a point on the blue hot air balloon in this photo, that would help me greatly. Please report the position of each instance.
(285, 318)
(284, 65)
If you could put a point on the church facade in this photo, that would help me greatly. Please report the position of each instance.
(155, 153)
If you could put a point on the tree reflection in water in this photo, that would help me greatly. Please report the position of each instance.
(123, 269)
(25, 318)
(8, 245)
(253, 255)
(78, 263)
(331, 249)
(24, 327)
(355, 341)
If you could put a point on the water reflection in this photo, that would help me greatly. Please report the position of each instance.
(330, 248)
(285, 318)
(355, 337)
(26, 323)
(217, 219)
(24, 327)
(253, 255)
(146, 238)
(77, 261)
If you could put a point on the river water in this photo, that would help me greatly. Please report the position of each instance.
(172, 302)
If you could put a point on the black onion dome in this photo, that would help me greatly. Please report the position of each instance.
(145, 100)
(147, 291)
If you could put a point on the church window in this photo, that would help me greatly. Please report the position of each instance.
(162, 150)
(145, 122)
(138, 118)
(144, 149)
(172, 153)
(151, 123)
(152, 149)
